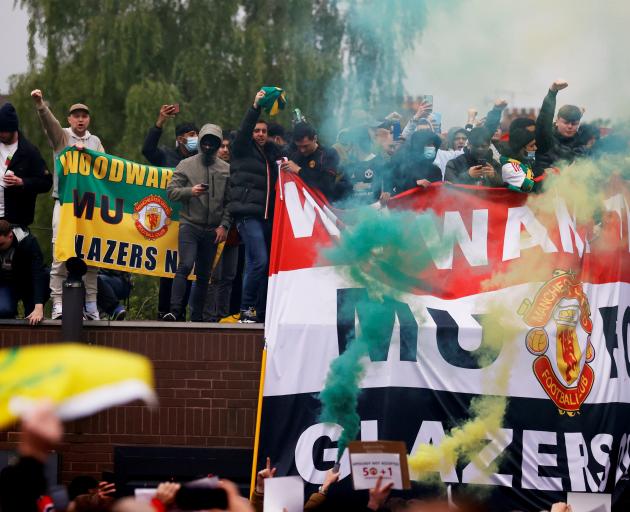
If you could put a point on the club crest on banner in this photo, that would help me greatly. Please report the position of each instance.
(152, 216)
(560, 312)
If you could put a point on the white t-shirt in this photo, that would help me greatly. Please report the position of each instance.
(6, 152)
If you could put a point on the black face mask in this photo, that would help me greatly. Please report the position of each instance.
(209, 158)
(209, 150)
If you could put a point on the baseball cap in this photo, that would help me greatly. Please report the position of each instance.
(78, 106)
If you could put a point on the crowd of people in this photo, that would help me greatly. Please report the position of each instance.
(225, 183)
(23, 486)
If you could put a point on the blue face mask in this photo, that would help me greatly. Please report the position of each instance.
(191, 143)
(429, 152)
(531, 155)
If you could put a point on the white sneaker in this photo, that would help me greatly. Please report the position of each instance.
(91, 311)
(56, 311)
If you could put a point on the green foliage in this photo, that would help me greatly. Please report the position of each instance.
(125, 58)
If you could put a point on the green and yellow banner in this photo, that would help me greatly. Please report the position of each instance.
(115, 213)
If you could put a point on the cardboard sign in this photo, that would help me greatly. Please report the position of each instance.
(285, 492)
(589, 502)
(370, 460)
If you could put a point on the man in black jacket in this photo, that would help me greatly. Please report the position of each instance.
(560, 141)
(23, 171)
(477, 165)
(186, 139)
(23, 275)
(253, 175)
(316, 164)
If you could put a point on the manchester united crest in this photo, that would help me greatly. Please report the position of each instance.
(152, 216)
(560, 336)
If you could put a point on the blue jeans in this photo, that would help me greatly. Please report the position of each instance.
(255, 234)
(195, 247)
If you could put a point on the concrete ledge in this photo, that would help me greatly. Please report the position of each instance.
(145, 324)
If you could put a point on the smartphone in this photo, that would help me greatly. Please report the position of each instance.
(428, 98)
(204, 186)
(482, 161)
(175, 108)
(396, 130)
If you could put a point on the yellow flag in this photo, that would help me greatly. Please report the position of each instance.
(79, 379)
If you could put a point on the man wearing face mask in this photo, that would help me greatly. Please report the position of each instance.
(517, 164)
(201, 184)
(412, 166)
(559, 141)
(185, 145)
(477, 165)
(185, 142)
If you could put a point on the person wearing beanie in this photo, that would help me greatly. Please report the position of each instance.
(23, 172)
(76, 134)
(559, 141)
(517, 164)
(186, 141)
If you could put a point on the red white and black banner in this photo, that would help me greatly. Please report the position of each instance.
(567, 424)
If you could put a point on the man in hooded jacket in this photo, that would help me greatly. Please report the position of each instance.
(413, 165)
(201, 184)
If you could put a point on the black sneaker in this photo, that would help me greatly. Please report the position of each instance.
(169, 317)
(248, 316)
(119, 313)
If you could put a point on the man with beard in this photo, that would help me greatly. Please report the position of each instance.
(201, 184)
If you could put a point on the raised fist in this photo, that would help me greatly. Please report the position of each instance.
(558, 85)
(500, 103)
(37, 96)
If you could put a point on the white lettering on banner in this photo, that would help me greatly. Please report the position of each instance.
(302, 218)
(476, 472)
(578, 463)
(533, 459)
(474, 246)
(514, 241)
(304, 449)
(567, 225)
(623, 459)
(617, 204)
(577, 460)
(432, 432)
(602, 457)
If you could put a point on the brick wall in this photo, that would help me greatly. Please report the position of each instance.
(207, 378)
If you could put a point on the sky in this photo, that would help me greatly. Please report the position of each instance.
(13, 41)
(472, 51)
(475, 50)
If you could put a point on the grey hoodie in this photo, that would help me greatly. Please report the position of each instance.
(207, 210)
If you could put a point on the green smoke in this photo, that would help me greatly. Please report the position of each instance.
(384, 252)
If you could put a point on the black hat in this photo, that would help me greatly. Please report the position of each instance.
(522, 123)
(182, 128)
(8, 118)
(520, 137)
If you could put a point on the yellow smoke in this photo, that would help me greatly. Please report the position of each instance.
(500, 326)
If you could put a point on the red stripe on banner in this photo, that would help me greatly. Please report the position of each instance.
(305, 223)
